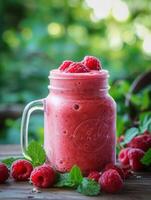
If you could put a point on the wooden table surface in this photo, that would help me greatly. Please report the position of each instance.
(135, 188)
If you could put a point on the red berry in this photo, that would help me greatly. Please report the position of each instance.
(77, 67)
(65, 65)
(43, 176)
(111, 181)
(4, 173)
(135, 156)
(123, 156)
(95, 175)
(92, 63)
(117, 168)
(21, 170)
(142, 142)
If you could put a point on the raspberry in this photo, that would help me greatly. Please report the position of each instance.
(4, 173)
(117, 168)
(135, 156)
(21, 170)
(123, 156)
(65, 65)
(111, 181)
(92, 63)
(142, 142)
(77, 67)
(43, 176)
(95, 175)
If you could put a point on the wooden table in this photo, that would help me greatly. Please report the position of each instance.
(136, 188)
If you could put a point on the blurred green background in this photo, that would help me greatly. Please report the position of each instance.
(37, 35)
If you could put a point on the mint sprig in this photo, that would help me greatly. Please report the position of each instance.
(71, 179)
(89, 187)
(74, 179)
(146, 160)
(36, 153)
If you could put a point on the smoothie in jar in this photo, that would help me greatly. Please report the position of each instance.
(80, 119)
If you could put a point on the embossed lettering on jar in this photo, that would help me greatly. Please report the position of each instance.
(80, 118)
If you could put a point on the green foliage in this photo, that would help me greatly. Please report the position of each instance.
(36, 36)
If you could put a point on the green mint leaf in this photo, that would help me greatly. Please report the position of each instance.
(36, 153)
(64, 180)
(89, 187)
(130, 134)
(75, 175)
(10, 160)
(71, 179)
(146, 160)
(145, 123)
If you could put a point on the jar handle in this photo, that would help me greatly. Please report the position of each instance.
(32, 106)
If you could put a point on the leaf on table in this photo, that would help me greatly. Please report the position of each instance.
(71, 179)
(89, 187)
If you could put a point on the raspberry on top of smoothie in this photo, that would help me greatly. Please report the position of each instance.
(86, 65)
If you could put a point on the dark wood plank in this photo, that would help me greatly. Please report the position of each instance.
(136, 188)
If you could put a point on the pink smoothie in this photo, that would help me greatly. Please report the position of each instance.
(80, 121)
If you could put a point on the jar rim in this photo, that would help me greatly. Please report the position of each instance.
(94, 74)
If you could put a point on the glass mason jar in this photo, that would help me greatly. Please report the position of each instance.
(79, 121)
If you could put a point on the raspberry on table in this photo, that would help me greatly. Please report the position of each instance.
(21, 170)
(65, 65)
(94, 175)
(135, 156)
(77, 67)
(43, 176)
(117, 168)
(111, 181)
(123, 156)
(92, 63)
(142, 142)
(4, 173)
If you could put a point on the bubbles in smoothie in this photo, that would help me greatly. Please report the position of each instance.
(76, 107)
(65, 132)
(61, 161)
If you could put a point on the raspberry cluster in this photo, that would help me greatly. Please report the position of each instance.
(86, 65)
(131, 155)
(111, 179)
(22, 170)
